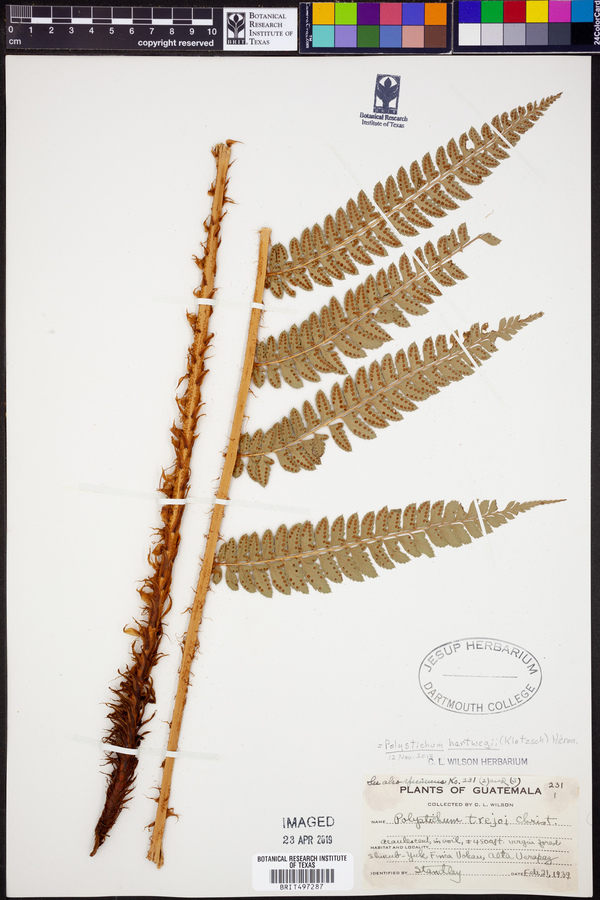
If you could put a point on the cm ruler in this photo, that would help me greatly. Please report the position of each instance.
(211, 29)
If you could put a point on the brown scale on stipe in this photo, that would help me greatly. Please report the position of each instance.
(135, 690)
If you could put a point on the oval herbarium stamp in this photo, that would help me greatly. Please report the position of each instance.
(479, 676)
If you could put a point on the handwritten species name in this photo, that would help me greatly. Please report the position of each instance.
(409, 744)
(490, 820)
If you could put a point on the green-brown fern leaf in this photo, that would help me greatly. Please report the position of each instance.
(305, 350)
(292, 559)
(408, 202)
(371, 400)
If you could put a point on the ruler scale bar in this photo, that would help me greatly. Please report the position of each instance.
(109, 15)
(174, 29)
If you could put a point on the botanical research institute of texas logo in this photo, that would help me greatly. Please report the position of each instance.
(385, 104)
(387, 93)
(236, 28)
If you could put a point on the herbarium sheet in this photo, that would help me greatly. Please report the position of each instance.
(390, 691)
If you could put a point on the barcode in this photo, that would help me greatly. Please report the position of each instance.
(301, 876)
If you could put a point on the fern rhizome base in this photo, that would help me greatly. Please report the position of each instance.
(380, 392)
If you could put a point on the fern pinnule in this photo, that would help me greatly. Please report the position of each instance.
(135, 690)
(314, 346)
(370, 400)
(303, 556)
(408, 202)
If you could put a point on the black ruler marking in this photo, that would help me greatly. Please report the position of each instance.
(108, 15)
(114, 27)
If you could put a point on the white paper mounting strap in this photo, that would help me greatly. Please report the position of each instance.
(258, 504)
(128, 751)
(164, 501)
(121, 492)
(143, 751)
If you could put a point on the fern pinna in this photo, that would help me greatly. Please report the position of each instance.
(408, 202)
(294, 558)
(376, 395)
(373, 398)
(388, 298)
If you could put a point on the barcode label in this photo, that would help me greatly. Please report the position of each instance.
(302, 871)
(302, 876)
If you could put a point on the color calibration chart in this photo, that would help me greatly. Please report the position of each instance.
(528, 24)
(377, 27)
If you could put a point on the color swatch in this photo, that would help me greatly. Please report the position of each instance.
(527, 24)
(377, 27)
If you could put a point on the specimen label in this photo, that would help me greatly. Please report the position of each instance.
(461, 833)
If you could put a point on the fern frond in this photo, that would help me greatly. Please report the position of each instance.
(304, 555)
(408, 202)
(371, 400)
(303, 351)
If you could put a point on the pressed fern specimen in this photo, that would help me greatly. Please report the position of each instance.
(373, 397)
(135, 690)
(305, 555)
